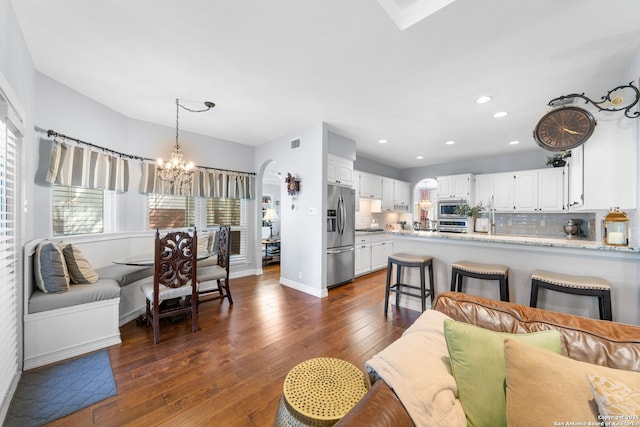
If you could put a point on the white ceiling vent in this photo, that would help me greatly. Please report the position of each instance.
(295, 143)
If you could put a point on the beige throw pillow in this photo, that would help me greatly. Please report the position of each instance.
(79, 267)
(544, 388)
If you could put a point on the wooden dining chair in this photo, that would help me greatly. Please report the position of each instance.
(214, 280)
(174, 287)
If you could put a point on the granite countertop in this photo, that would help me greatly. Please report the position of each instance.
(522, 240)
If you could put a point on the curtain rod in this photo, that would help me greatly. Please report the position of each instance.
(52, 133)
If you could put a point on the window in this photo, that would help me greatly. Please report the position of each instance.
(167, 211)
(9, 244)
(232, 212)
(78, 210)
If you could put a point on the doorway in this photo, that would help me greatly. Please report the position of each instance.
(424, 209)
(271, 214)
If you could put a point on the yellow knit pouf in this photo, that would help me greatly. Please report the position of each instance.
(318, 392)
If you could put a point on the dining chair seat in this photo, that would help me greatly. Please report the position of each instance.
(164, 293)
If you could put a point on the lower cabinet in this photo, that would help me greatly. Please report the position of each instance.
(372, 252)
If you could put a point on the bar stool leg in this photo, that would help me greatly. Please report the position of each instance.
(454, 273)
(533, 301)
(431, 285)
(387, 287)
(460, 277)
(606, 313)
(504, 289)
(423, 295)
(397, 284)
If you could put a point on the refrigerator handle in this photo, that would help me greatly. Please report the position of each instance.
(344, 215)
(339, 216)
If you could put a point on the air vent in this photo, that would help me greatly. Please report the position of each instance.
(562, 102)
(295, 143)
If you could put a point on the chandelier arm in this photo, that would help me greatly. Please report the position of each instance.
(207, 104)
(605, 99)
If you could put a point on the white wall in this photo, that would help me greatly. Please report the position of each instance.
(302, 232)
(71, 113)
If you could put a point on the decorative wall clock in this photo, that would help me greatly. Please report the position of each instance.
(564, 128)
(293, 184)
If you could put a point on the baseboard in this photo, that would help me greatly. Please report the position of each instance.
(6, 401)
(66, 353)
(320, 293)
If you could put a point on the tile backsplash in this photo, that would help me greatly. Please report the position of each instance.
(520, 224)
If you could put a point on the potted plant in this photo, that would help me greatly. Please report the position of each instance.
(469, 211)
(558, 159)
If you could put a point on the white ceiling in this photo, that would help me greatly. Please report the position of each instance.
(275, 67)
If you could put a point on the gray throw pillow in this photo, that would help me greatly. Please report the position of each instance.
(50, 268)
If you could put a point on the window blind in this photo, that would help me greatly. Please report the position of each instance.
(9, 317)
(168, 211)
(231, 212)
(77, 210)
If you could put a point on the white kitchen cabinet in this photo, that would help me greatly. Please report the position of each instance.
(525, 191)
(401, 196)
(363, 258)
(455, 186)
(551, 190)
(538, 190)
(339, 170)
(387, 194)
(574, 179)
(484, 188)
(381, 248)
(503, 192)
(370, 186)
(356, 186)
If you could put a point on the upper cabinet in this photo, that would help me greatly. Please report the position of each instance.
(574, 178)
(339, 170)
(370, 186)
(396, 195)
(523, 191)
(455, 186)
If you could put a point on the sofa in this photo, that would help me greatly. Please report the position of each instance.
(413, 382)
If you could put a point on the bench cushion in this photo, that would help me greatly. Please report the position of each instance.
(124, 274)
(103, 289)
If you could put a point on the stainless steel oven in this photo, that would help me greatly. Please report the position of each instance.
(452, 225)
(447, 208)
(448, 219)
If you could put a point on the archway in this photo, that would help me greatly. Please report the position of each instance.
(425, 195)
(269, 213)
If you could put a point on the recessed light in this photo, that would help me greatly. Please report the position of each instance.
(419, 157)
(500, 114)
(483, 99)
(514, 142)
(450, 142)
(382, 141)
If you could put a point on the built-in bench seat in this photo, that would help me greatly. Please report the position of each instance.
(87, 317)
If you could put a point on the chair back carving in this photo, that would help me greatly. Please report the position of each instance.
(175, 259)
(224, 247)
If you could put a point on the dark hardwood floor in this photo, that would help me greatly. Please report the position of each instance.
(231, 371)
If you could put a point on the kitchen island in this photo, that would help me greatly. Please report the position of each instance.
(522, 254)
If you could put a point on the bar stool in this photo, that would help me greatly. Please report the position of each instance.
(408, 260)
(577, 285)
(460, 269)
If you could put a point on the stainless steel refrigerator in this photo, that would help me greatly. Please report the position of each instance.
(341, 219)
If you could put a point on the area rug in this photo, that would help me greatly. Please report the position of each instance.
(46, 394)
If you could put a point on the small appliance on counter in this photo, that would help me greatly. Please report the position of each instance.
(572, 228)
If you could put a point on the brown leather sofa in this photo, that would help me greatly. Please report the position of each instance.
(600, 342)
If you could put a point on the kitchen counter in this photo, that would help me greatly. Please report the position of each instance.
(520, 240)
(523, 254)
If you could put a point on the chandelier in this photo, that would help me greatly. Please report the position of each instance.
(176, 171)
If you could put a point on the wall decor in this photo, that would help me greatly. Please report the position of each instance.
(293, 184)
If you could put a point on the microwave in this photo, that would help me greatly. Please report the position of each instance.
(447, 208)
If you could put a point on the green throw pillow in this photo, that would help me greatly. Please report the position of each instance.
(477, 363)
